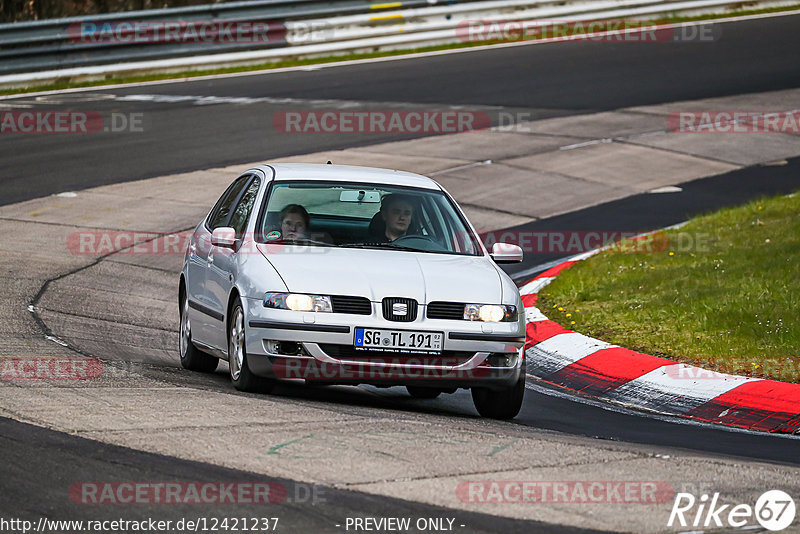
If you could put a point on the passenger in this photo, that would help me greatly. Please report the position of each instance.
(294, 222)
(396, 212)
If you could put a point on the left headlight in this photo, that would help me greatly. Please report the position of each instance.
(298, 302)
(490, 313)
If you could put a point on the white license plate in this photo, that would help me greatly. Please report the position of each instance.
(398, 340)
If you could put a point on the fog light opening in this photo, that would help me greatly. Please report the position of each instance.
(502, 359)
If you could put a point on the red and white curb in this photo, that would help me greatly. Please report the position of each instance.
(602, 371)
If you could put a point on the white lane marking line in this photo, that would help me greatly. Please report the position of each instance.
(68, 98)
(533, 315)
(542, 267)
(536, 285)
(581, 257)
(200, 100)
(207, 100)
(521, 275)
(676, 388)
(16, 105)
(56, 340)
(418, 55)
(676, 226)
(666, 189)
(605, 140)
(461, 167)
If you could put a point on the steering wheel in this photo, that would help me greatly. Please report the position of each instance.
(421, 242)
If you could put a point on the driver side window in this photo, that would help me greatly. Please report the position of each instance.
(221, 212)
(241, 214)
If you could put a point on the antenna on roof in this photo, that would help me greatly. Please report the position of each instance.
(329, 162)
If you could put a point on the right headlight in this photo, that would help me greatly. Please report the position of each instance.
(298, 302)
(490, 313)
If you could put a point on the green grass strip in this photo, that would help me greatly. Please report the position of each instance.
(722, 293)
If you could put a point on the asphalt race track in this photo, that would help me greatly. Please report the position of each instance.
(541, 80)
(210, 130)
(61, 458)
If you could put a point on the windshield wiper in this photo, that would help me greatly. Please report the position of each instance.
(377, 244)
(302, 241)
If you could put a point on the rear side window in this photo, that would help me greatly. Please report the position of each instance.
(243, 209)
(219, 215)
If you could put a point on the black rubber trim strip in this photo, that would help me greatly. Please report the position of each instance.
(474, 336)
(207, 311)
(301, 326)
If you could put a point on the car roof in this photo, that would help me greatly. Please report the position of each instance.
(347, 173)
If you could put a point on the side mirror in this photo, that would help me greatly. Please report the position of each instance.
(224, 236)
(506, 253)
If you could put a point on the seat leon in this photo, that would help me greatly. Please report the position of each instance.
(335, 274)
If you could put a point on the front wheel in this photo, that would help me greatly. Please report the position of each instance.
(193, 358)
(504, 404)
(242, 378)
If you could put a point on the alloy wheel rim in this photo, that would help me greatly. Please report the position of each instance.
(236, 350)
(185, 328)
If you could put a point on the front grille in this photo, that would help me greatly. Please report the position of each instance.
(394, 306)
(353, 305)
(446, 310)
(348, 352)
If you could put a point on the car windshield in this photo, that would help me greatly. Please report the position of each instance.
(360, 215)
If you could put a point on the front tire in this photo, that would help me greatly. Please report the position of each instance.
(242, 378)
(504, 404)
(192, 358)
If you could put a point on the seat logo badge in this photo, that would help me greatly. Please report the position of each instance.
(399, 308)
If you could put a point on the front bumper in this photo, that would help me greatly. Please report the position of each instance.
(295, 345)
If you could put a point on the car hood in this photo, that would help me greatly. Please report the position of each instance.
(376, 274)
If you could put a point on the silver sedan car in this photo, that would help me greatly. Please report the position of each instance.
(334, 274)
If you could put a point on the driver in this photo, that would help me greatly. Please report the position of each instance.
(294, 222)
(396, 212)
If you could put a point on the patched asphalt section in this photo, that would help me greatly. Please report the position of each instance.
(650, 211)
(29, 459)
